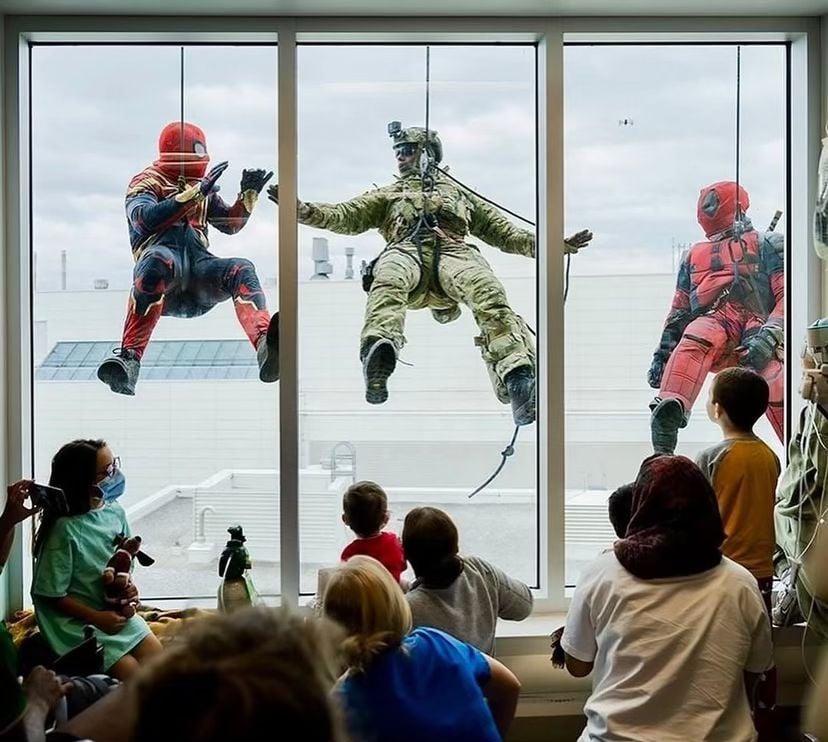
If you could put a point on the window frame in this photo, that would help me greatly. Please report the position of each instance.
(550, 35)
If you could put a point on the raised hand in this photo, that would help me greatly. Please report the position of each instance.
(208, 182)
(577, 241)
(254, 180)
(16, 510)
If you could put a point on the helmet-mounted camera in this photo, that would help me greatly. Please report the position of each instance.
(394, 129)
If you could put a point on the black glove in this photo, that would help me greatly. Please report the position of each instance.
(254, 180)
(657, 369)
(760, 348)
(273, 193)
(208, 182)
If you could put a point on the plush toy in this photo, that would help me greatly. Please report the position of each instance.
(118, 589)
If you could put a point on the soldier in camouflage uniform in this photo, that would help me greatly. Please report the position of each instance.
(424, 217)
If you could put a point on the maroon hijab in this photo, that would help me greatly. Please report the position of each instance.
(675, 529)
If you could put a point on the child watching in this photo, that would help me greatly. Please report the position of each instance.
(365, 512)
(743, 471)
(71, 550)
(408, 686)
(461, 595)
(247, 676)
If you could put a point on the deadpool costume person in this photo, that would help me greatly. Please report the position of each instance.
(728, 310)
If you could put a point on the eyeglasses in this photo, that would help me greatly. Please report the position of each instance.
(112, 468)
(406, 150)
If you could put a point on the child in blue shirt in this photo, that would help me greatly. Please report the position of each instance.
(410, 686)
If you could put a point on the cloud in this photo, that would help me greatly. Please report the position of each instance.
(97, 112)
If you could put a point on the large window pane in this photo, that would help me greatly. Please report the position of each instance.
(198, 441)
(441, 431)
(647, 127)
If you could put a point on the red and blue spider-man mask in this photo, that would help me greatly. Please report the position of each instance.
(182, 150)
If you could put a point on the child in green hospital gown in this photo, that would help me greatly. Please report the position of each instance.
(71, 552)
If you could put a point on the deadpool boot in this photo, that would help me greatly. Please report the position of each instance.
(121, 371)
(668, 416)
(379, 359)
(520, 384)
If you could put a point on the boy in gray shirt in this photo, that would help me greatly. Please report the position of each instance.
(463, 596)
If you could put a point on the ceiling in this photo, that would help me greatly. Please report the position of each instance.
(420, 7)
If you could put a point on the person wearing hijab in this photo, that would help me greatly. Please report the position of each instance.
(670, 629)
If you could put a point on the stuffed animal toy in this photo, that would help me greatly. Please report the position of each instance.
(117, 579)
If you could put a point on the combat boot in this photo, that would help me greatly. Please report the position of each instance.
(520, 384)
(267, 352)
(668, 416)
(120, 372)
(379, 359)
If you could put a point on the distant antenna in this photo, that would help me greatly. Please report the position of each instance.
(349, 263)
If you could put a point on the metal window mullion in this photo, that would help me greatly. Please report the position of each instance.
(288, 317)
(16, 322)
(551, 313)
(804, 269)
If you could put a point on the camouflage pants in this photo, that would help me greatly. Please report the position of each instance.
(464, 276)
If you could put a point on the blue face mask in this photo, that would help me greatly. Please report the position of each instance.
(113, 486)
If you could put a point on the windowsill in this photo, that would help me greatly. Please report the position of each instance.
(538, 624)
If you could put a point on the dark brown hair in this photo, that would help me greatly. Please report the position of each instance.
(242, 677)
(74, 470)
(431, 544)
(365, 505)
(743, 395)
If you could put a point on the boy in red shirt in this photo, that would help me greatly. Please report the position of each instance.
(365, 512)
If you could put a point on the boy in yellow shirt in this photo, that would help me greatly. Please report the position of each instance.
(743, 471)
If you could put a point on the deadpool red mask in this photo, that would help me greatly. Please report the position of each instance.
(717, 206)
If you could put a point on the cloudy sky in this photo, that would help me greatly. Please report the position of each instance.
(97, 112)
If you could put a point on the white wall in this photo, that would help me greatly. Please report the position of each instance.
(441, 426)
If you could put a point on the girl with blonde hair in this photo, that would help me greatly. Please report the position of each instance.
(408, 686)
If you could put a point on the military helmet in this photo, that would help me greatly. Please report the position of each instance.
(416, 135)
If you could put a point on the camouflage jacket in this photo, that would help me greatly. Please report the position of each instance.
(394, 210)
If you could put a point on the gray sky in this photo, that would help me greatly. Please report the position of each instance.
(97, 112)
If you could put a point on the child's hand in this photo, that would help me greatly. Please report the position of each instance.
(110, 622)
(558, 655)
(44, 689)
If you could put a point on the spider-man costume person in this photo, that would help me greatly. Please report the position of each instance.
(168, 207)
(727, 311)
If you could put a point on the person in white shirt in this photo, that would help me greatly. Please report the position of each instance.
(671, 630)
